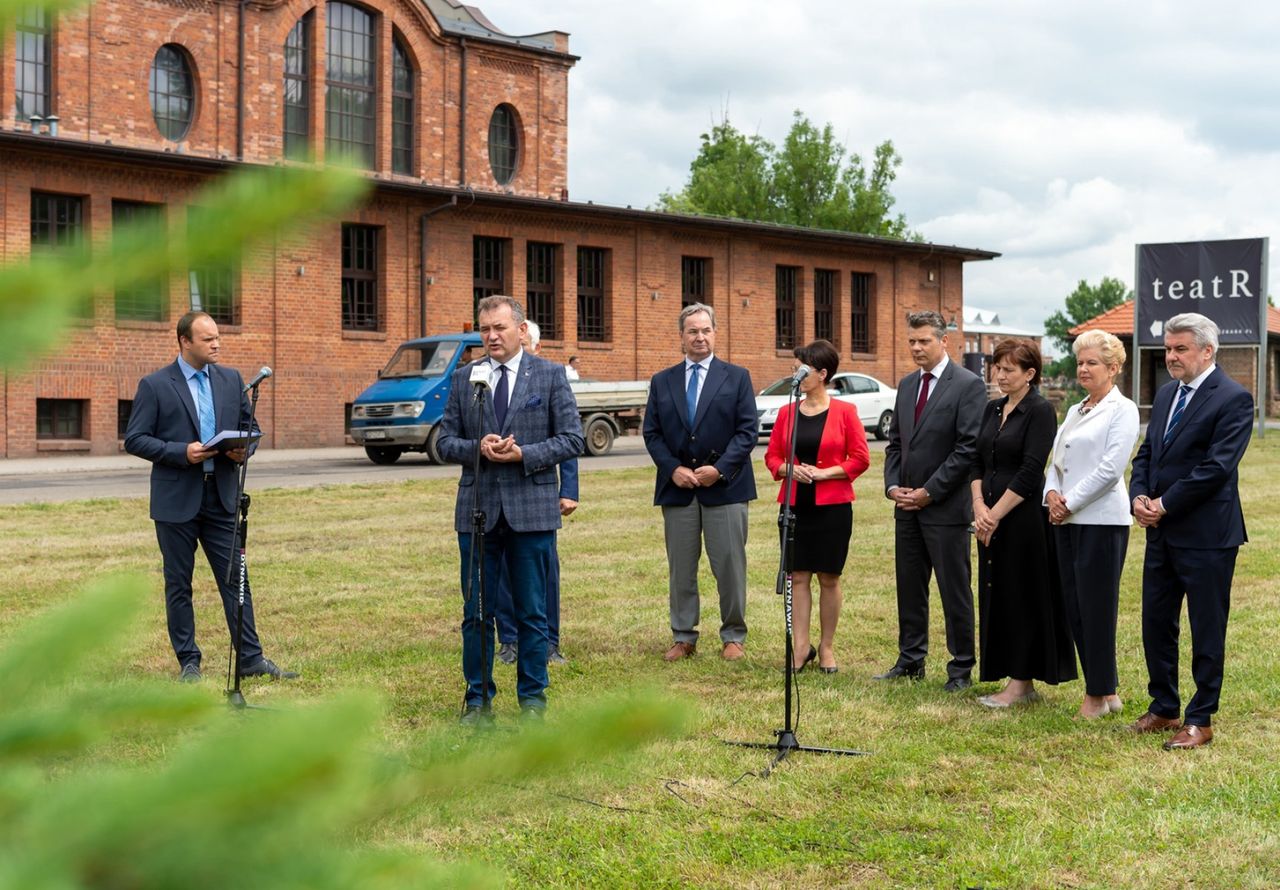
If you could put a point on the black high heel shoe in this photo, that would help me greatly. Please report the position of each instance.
(813, 653)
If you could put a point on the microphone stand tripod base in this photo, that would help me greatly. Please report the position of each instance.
(235, 699)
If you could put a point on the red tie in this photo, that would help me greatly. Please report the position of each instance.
(924, 394)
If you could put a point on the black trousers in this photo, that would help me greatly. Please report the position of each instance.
(942, 550)
(213, 528)
(1090, 562)
(1204, 577)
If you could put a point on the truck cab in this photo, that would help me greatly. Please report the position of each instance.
(401, 411)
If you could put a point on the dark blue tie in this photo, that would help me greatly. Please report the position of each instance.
(691, 392)
(1183, 392)
(500, 397)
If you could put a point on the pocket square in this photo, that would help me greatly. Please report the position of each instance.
(534, 401)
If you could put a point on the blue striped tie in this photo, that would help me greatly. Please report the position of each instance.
(691, 393)
(1183, 392)
(204, 408)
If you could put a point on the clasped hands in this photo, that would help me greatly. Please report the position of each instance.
(1147, 511)
(698, 477)
(910, 499)
(1058, 510)
(808, 473)
(984, 524)
(499, 450)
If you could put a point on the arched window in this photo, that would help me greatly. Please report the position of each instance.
(173, 95)
(350, 97)
(402, 79)
(33, 50)
(504, 143)
(297, 90)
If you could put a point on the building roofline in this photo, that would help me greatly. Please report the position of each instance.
(470, 23)
(179, 161)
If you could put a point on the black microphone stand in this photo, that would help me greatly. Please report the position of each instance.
(475, 561)
(786, 737)
(235, 698)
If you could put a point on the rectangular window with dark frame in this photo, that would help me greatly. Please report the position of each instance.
(297, 90)
(351, 96)
(215, 286)
(540, 289)
(360, 300)
(124, 408)
(824, 304)
(33, 63)
(142, 300)
(402, 78)
(57, 225)
(695, 280)
(786, 291)
(861, 288)
(488, 271)
(62, 419)
(593, 302)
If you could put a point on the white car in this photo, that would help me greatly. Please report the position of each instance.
(873, 399)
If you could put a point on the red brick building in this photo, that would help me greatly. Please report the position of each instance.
(127, 107)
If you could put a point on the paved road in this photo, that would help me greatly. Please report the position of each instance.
(57, 478)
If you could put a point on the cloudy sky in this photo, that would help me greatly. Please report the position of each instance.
(1059, 134)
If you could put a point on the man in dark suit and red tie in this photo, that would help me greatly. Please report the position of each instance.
(1185, 492)
(528, 427)
(699, 428)
(193, 488)
(932, 443)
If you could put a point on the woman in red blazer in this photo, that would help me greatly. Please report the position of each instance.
(831, 451)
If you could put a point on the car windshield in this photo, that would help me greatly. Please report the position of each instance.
(427, 360)
(778, 388)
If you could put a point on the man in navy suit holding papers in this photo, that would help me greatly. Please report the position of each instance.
(1185, 491)
(193, 488)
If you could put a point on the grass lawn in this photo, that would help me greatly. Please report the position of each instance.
(357, 586)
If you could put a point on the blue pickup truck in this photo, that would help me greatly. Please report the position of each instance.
(401, 411)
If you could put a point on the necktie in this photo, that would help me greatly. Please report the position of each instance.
(691, 393)
(1183, 392)
(924, 394)
(204, 410)
(501, 397)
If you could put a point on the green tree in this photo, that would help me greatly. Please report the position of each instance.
(811, 180)
(1082, 304)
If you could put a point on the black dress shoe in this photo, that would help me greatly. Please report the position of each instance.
(555, 656)
(955, 684)
(813, 653)
(507, 653)
(531, 714)
(190, 673)
(910, 671)
(476, 716)
(265, 667)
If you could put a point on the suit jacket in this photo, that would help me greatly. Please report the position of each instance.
(164, 421)
(543, 417)
(569, 479)
(1089, 457)
(844, 442)
(1196, 475)
(722, 434)
(938, 453)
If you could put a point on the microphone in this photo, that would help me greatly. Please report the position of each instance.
(262, 375)
(801, 372)
(480, 375)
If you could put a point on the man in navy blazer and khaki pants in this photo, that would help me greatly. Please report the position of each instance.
(193, 489)
(699, 428)
(527, 429)
(1185, 491)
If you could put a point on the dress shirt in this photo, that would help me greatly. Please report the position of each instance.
(936, 371)
(513, 368)
(1195, 387)
(705, 365)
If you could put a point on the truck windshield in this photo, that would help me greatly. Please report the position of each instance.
(428, 360)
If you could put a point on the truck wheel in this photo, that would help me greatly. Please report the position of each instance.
(384, 454)
(432, 447)
(882, 428)
(599, 436)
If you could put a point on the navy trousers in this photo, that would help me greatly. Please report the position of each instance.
(525, 558)
(1204, 577)
(213, 528)
(1090, 562)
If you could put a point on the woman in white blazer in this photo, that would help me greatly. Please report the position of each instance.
(1089, 508)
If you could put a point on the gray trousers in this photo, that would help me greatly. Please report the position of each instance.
(943, 551)
(725, 530)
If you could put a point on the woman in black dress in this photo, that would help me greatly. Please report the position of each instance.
(831, 451)
(1022, 626)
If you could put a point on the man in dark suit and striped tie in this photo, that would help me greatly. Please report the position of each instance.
(1186, 493)
(193, 488)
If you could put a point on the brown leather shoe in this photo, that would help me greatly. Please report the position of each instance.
(1190, 736)
(732, 651)
(680, 650)
(1150, 722)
